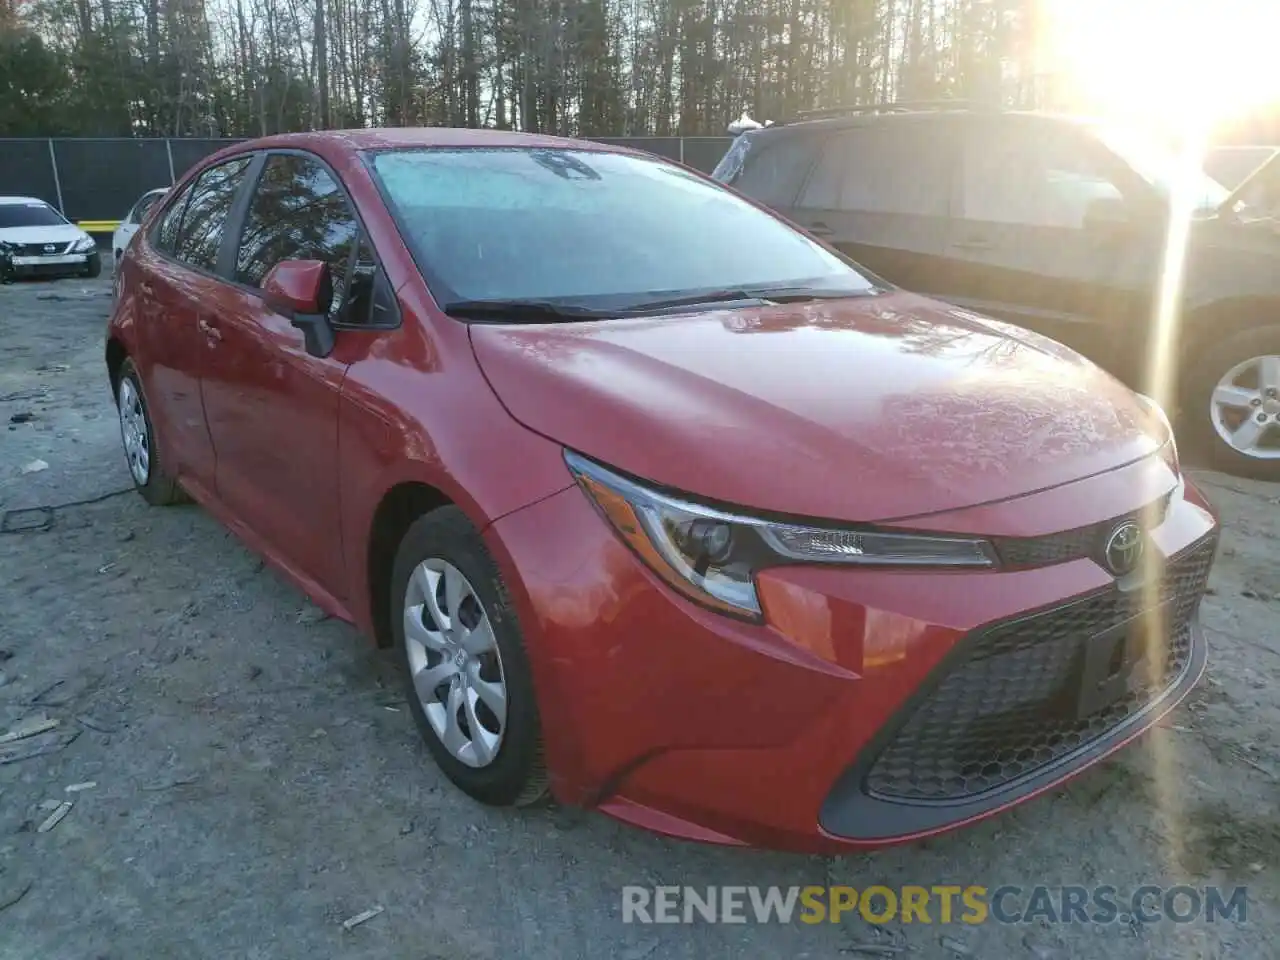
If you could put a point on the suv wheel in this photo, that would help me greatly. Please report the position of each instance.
(1234, 402)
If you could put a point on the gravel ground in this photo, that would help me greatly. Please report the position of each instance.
(257, 781)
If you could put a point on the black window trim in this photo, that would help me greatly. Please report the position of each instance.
(240, 211)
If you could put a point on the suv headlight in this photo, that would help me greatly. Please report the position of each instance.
(84, 245)
(711, 556)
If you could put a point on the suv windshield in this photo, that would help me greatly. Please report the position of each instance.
(29, 215)
(595, 229)
(1164, 169)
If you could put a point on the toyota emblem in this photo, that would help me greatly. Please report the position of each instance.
(1124, 548)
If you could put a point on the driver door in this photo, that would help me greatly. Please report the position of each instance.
(272, 408)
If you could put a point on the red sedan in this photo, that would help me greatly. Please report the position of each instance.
(669, 510)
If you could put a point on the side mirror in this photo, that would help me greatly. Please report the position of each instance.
(302, 291)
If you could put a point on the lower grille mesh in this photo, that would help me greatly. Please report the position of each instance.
(1009, 706)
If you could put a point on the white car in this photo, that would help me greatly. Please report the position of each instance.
(37, 241)
(129, 225)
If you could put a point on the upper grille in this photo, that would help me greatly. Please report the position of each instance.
(38, 249)
(1074, 544)
(1008, 706)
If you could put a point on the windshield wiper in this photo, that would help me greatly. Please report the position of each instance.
(768, 294)
(546, 311)
(522, 311)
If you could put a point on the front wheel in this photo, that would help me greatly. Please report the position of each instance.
(467, 676)
(94, 269)
(1234, 403)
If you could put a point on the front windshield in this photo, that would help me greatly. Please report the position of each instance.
(1165, 170)
(29, 215)
(588, 227)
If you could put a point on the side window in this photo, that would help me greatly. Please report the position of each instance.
(166, 232)
(773, 175)
(298, 212)
(897, 168)
(822, 192)
(144, 206)
(1030, 180)
(359, 294)
(212, 194)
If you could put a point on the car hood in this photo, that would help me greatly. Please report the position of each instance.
(865, 409)
(63, 233)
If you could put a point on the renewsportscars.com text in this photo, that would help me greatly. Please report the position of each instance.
(938, 904)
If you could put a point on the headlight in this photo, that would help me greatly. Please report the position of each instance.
(84, 245)
(1169, 452)
(712, 556)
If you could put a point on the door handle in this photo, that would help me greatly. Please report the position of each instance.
(820, 229)
(974, 243)
(209, 330)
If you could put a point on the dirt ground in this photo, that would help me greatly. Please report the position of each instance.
(257, 782)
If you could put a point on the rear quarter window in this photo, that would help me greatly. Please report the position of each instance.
(776, 169)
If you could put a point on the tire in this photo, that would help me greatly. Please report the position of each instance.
(1205, 372)
(515, 772)
(94, 269)
(156, 486)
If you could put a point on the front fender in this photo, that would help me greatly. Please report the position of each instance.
(446, 432)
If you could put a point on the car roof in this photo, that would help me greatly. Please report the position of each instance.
(14, 201)
(399, 137)
(337, 145)
(857, 117)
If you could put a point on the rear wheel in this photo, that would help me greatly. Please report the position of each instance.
(1234, 403)
(139, 440)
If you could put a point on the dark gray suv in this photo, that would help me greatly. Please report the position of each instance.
(1059, 225)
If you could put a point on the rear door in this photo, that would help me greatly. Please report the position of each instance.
(176, 289)
(272, 407)
(881, 192)
(1028, 245)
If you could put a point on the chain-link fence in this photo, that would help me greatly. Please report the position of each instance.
(94, 182)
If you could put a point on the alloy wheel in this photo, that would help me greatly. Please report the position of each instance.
(133, 431)
(455, 662)
(1245, 408)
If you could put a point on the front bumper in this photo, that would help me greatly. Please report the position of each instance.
(859, 716)
(61, 265)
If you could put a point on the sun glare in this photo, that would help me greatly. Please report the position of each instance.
(1177, 63)
(1184, 66)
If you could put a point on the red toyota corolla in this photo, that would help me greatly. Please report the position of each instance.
(668, 509)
